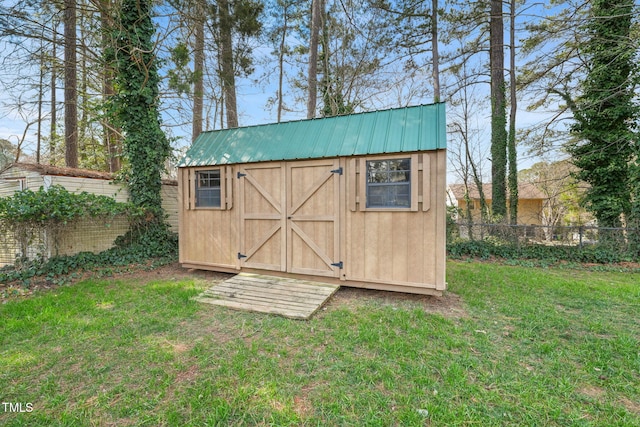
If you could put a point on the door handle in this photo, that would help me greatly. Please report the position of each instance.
(289, 217)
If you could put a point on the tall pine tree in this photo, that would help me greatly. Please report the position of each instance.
(498, 112)
(606, 115)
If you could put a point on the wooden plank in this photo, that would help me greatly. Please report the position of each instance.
(292, 298)
(261, 298)
(295, 293)
(292, 314)
(281, 280)
(279, 289)
(268, 307)
(274, 295)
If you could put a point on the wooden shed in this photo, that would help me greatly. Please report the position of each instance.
(357, 200)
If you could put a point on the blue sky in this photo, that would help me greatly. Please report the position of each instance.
(252, 109)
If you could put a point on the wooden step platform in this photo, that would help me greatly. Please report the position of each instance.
(292, 298)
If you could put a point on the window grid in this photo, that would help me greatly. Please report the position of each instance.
(208, 189)
(389, 183)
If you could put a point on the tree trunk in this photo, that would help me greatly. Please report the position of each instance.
(226, 56)
(70, 85)
(312, 82)
(198, 68)
(434, 51)
(111, 136)
(283, 40)
(82, 96)
(498, 113)
(511, 143)
(54, 77)
(40, 96)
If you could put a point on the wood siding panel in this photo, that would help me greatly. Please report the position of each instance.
(169, 194)
(399, 250)
(7, 188)
(438, 191)
(417, 258)
(206, 237)
(355, 242)
(369, 251)
(183, 194)
(33, 180)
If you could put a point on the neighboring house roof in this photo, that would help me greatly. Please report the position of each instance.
(526, 191)
(408, 129)
(58, 171)
(71, 172)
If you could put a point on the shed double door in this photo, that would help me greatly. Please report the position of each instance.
(289, 217)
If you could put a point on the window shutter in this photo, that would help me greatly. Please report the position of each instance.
(426, 182)
(352, 184)
(414, 182)
(184, 185)
(228, 186)
(361, 192)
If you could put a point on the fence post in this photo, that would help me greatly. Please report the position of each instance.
(580, 229)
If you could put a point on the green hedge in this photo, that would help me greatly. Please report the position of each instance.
(484, 249)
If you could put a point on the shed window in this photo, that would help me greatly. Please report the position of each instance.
(208, 189)
(389, 183)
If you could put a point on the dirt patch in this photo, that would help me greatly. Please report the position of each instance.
(138, 272)
(592, 391)
(173, 271)
(448, 305)
(633, 407)
(188, 375)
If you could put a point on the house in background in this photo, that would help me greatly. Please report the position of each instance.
(357, 200)
(85, 235)
(530, 202)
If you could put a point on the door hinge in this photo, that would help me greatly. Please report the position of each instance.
(240, 256)
(337, 264)
(338, 171)
(240, 174)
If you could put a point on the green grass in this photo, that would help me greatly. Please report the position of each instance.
(535, 347)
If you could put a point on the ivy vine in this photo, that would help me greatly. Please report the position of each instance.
(29, 214)
(136, 107)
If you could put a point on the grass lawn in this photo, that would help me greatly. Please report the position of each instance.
(521, 347)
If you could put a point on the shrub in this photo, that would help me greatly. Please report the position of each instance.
(492, 247)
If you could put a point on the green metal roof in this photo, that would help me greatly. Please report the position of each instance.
(399, 130)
